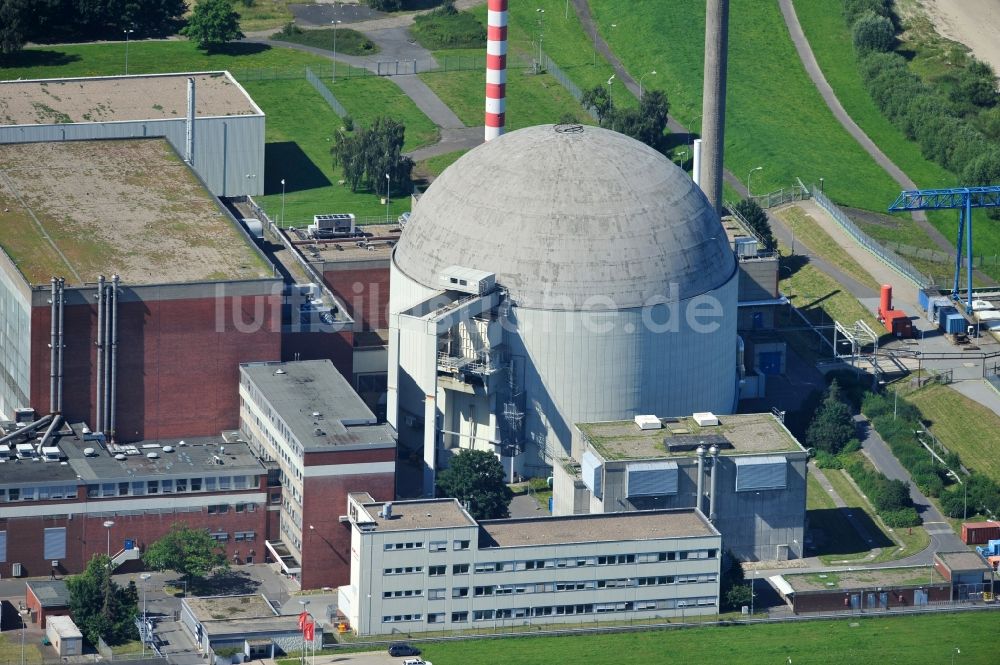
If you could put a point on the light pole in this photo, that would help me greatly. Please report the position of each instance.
(143, 633)
(334, 77)
(22, 613)
(954, 653)
(541, 22)
(127, 32)
(749, 190)
(752, 582)
(107, 525)
(304, 604)
(282, 202)
(387, 182)
(640, 82)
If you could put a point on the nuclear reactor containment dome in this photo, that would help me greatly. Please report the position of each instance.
(615, 295)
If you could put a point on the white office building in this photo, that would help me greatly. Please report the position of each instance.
(427, 565)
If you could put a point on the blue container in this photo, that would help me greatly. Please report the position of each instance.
(955, 324)
(923, 299)
(942, 313)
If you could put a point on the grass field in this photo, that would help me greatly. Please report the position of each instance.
(10, 649)
(817, 295)
(349, 42)
(366, 98)
(963, 426)
(912, 640)
(810, 233)
(532, 99)
(460, 30)
(263, 14)
(775, 116)
(436, 165)
(837, 539)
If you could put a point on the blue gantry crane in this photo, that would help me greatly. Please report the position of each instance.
(963, 199)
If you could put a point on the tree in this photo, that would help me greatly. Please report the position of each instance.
(212, 24)
(833, 426)
(100, 607)
(977, 84)
(853, 9)
(872, 32)
(385, 5)
(757, 219)
(599, 99)
(476, 477)
(191, 552)
(13, 15)
(369, 153)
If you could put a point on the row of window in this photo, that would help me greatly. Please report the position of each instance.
(541, 564)
(403, 570)
(238, 536)
(44, 493)
(171, 486)
(555, 610)
(550, 587)
(222, 508)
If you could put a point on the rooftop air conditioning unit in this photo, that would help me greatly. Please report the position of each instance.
(468, 280)
(15, 570)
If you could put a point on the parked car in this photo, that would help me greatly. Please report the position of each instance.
(403, 649)
(416, 661)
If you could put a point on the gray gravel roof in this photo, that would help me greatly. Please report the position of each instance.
(562, 216)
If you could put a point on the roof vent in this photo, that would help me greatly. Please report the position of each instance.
(182, 442)
(89, 452)
(705, 419)
(168, 449)
(317, 414)
(152, 455)
(279, 371)
(120, 457)
(648, 422)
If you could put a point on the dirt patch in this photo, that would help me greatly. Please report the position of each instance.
(975, 23)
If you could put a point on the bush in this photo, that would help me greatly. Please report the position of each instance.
(348, 123)
(755, 216)
(872, 32)
(448, 28)
(825, 460)
(288, 30)
(833, 425)
(898, 519)
(853, 9)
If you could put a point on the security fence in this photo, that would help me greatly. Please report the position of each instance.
(937, 256)
(324, 91)
(782, 196)
(549, 66)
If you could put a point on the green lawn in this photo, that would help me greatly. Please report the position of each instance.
(963, 426)
(775, 116)
(10, 649)
(436, 165)
(819, 296)
(349, 42)
(369, 97)
(459, 30)
(811, 234)
(836, 539)
(263, 14)
(532, 99)
(914, 640)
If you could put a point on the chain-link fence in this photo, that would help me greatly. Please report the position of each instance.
(549, 66)
(782, 196)
(937, 256)
(885, 255)
(321, 88)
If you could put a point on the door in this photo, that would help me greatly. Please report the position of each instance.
(920, 597)
(855, 601)
(769, 362)
(883, 600)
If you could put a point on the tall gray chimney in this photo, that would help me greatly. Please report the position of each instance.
(713, 108)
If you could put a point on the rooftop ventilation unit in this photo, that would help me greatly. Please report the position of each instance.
(705, 419)
(89, 452)
(337, 225)
(468, 280)
(648, 422)
(168, 449)
(120, 457)
(152, 455)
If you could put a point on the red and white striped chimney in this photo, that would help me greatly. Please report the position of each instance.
(496, 67)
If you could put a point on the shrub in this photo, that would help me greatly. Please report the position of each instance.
(833, 426)
(825, 460)
(872, 32)
(853, 9)
(898, 519)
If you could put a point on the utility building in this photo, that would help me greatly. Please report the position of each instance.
(554, 275)
(746, 472)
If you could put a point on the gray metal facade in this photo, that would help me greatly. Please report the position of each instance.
(228, 151)
(15, 338)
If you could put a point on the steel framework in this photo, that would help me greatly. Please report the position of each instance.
(963, 199)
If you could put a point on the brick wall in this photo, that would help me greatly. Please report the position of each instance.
(834, 601)
(365, 292)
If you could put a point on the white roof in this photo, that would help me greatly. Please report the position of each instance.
(63, 626)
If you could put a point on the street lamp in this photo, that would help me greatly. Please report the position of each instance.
(334, 77)
(387, 182)
(107, 525)
(304, 604)
(954, 653)
(749, 190)
(282, 202)
(127, 32)
(541, 22)
(143, 633)
(640, 82)
(22, 613)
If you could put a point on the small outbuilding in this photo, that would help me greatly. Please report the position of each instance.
(64, 636)
(969, 574)
(46, 598)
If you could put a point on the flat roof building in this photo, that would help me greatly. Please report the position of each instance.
(427, 565)
(319, 442)
(747, 472)
(45, 598)
(246, 622)
(226, 141)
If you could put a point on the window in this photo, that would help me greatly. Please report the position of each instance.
(14, 494)
(460, 592)
(225, 483)
(240, 482)
(167, 486)
(153, 487)
(435, 594)
(459, 617)
(482, 615)
(438, 546)
(210, 484)
(123, 489)
(196, 484)
(436, 571)
(461, 545)
(220, 536)
(218, 509)
(484, 590)
(55, 543)
(435, 618)
(109, 489)
(182, 485)
(488, 567)
(3, 546)
(460, 569)
(139, 488)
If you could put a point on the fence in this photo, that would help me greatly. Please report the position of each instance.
(321, 88)
(782, 196)
(937, 256)
(883, 254)
(333, 70)
(549, 65)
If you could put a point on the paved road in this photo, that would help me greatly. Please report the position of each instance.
(451, 140)
(816, 74)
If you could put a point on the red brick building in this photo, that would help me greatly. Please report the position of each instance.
(319, 442)
(45, 598)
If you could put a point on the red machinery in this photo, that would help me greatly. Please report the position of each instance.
(896, 321)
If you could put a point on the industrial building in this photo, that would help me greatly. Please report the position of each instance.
(245, 622)
(319, 442)
(207, 117)
(427, 565)
(747, 472)
(159, 292)
(589, 280)
(66, 494)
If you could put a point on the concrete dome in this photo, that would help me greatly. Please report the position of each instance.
(563, 214)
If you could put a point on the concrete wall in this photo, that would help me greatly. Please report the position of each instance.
(179, 350)
(758, 279)
(226, 149)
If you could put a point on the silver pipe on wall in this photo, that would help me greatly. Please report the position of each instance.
(62, 345)
(714, 452)
(52, 347)
(114, 353)
(27, 429)
(701, 477)
(52, 429)
(106, 395)
(98, 393)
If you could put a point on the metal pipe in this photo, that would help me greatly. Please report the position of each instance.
(105, 396)
(52, 429)
(98, 394)
(701, 477)
(714, 452)
(61, 345)
(114, 353)
(30, 427)
(52, 347)
(189, 124)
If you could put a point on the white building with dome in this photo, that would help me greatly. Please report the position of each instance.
(556, 275)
